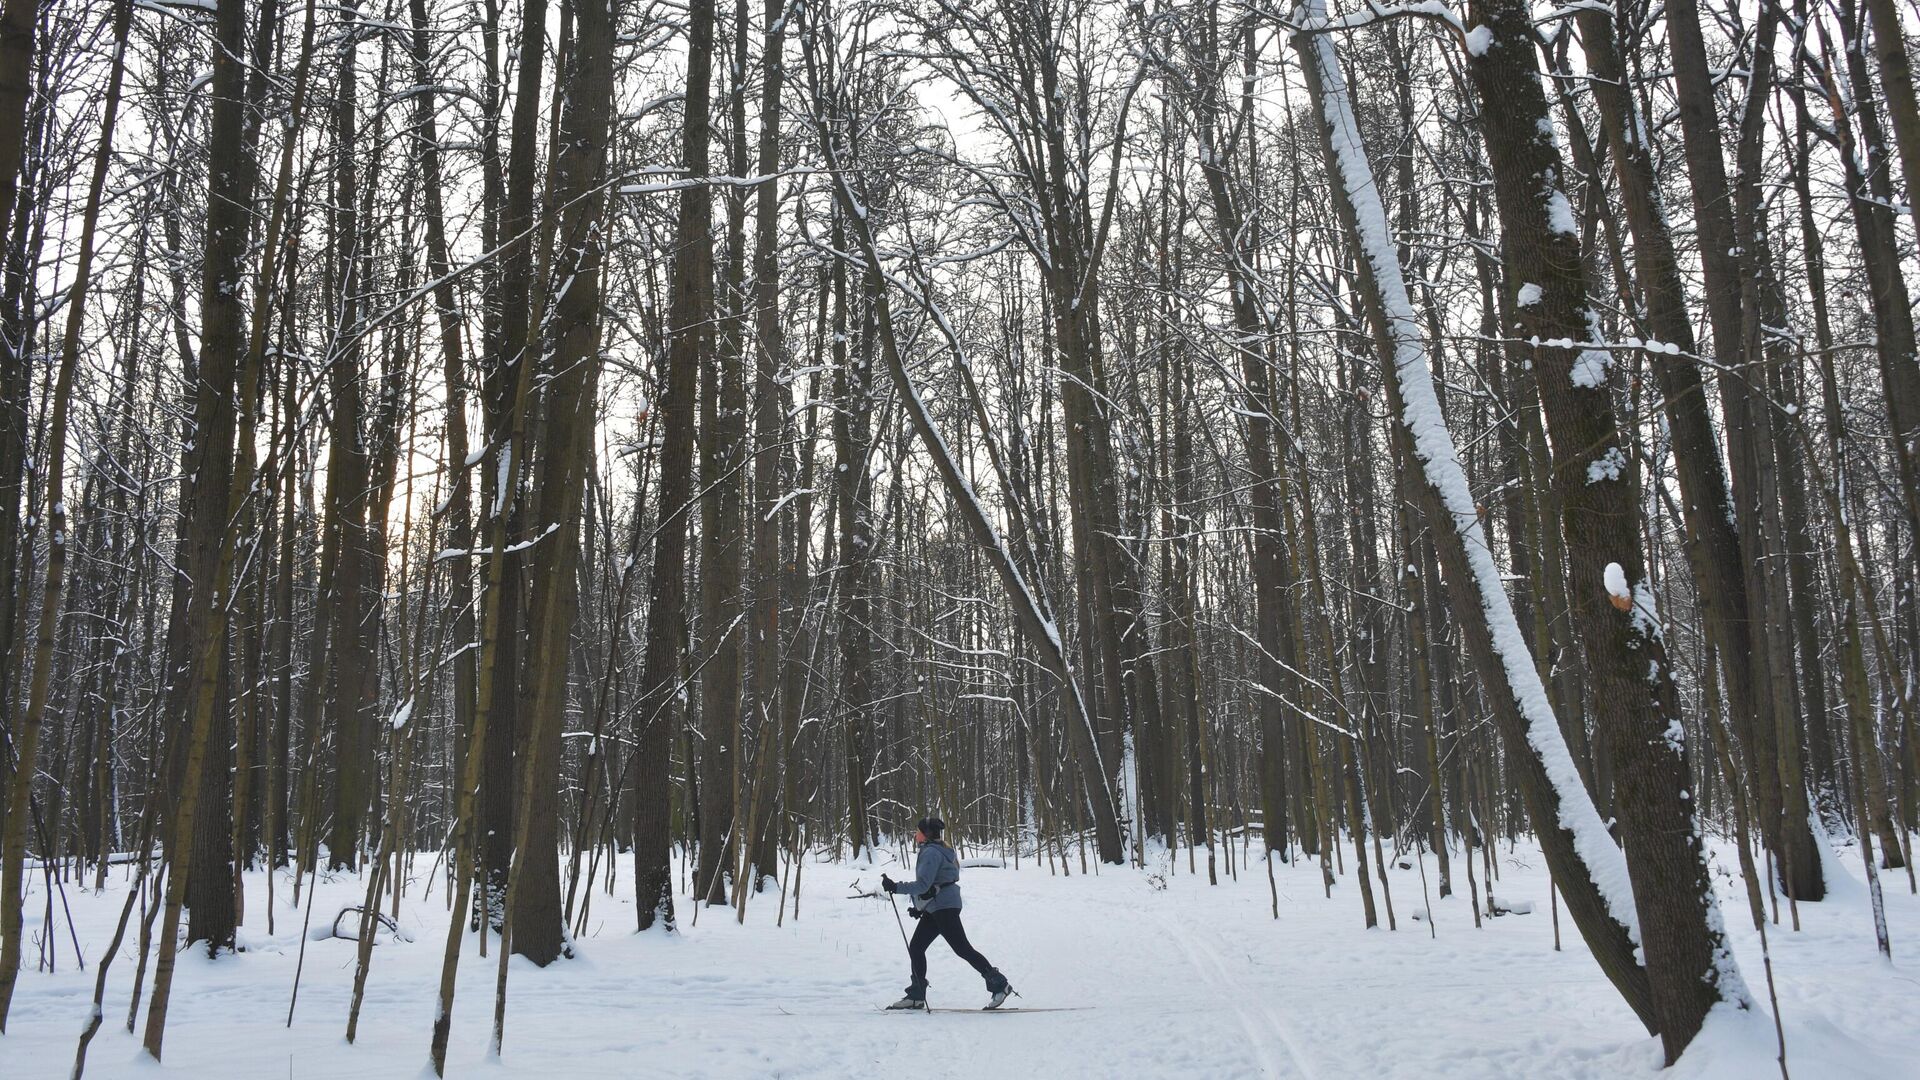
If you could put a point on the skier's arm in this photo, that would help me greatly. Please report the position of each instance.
(927, 868)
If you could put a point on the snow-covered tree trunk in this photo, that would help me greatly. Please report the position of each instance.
(1589, 869)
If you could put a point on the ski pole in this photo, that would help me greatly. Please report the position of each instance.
(891, 902)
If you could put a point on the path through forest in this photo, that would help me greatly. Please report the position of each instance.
(1163, 975)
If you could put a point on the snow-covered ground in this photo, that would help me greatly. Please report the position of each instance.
(1155, 974)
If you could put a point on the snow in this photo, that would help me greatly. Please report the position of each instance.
(1529, 295)
(1560, 217)
(1479, 40)
(1608, 466)
(1676, 736)
(1590, 368)
(502, 482)
(1617, 582)
(1168, 977)
(1646, 613)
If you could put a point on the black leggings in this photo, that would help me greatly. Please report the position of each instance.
(945, 924)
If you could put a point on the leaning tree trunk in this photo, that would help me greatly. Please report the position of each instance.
(493, 693)
(1033, 619)
(1587, 866)
(1712, 547)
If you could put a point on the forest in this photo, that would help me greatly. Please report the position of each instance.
(533, 470)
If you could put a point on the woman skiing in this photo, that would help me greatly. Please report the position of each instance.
(934, 896)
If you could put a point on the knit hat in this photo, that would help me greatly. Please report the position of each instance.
(933, 827)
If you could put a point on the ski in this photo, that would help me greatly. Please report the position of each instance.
(995, 1006)
(1020, 1009)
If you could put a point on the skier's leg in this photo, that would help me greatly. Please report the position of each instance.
(956, 936)
(923, 936)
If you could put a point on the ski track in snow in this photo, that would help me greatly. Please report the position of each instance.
(1157, 974)
(1263, 1023)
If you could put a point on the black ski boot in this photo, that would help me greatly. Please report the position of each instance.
(916, 999)
(1000, 993)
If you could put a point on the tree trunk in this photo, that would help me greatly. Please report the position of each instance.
(1271, 575)
(1747, 664)
(689, 313)
(571, 347)
(764, 709)
(853, 496)
(214, 499)
(1688, 966)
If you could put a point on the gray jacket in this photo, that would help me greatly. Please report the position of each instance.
(938, 869)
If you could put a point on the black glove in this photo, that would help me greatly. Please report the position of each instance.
(914, 913)
(886, 883)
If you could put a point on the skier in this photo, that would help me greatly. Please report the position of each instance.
(935, 901)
